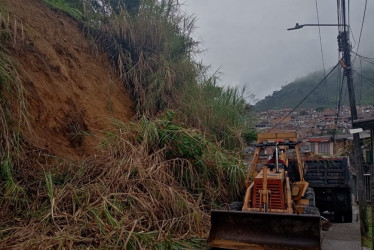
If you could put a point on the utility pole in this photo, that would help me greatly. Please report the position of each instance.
(345, 48)
(345, 62)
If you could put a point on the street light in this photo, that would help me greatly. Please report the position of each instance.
(299, 26)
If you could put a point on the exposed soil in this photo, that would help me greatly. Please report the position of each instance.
(71, 90)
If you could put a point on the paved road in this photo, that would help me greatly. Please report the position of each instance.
(343, 236)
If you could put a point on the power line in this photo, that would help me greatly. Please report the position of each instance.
(337, 87)
(349, 12)
(311, 92)
(323, 59)
(362, 26)
(340, 97)
(368, 61)
(364, 58)
(366, 79)
(371, 58)
(341, 91)
(360, 96)
(349, 23)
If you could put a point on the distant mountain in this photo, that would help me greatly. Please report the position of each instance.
(326, 95)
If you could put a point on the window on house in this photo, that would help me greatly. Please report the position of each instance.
(323, 148)
(312, 147)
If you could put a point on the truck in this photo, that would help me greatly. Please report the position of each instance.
(330, 180)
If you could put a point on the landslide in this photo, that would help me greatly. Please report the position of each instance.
(153, 181)
(70, 89)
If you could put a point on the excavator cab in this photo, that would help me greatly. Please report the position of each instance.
(276, 214)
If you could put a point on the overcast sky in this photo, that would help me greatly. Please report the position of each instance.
(248, 42)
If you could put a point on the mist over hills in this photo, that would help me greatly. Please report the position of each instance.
(326, 95)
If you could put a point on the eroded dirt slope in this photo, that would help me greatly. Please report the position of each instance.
(71, 90)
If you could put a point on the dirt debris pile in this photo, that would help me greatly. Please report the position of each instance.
(71, 90)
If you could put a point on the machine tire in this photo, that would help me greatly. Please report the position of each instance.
(348, 217)
(338, 217)
(343, 217)
(311, 210)
(310, 195)
(236, 206)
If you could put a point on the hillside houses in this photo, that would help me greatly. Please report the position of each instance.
(311, 122)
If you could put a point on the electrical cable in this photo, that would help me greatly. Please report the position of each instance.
(337, 87)
(323, 59)
(345, 94)
(339, 100)
(366, 79)
(349, 13)
(362, 26)
(349, 24)
(371, 58)
(364, 58)
(343, 16)
(341, 91)
(359, 100)
(338, 12)
(311, 92)
(368, 61)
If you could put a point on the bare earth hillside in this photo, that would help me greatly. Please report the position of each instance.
(71, 91)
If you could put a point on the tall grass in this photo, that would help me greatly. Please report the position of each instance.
(13, 111)
(220, 111)
(156, 178)
(148, 41)
(150, 50)
(151, 44)
(73, 8)
(145, 190)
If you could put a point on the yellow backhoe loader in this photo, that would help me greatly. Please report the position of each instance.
(276, 212)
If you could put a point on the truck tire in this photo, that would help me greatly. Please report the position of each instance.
(236, 206)
(338, 217)
(343, 216)
(348, 216)
(310, 195)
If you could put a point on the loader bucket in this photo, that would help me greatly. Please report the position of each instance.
(255, 230)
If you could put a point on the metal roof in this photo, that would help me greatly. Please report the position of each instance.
(366, 124)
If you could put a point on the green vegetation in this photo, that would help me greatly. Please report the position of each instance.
(150, 43)
(156, 178)
(153, 182)
(69, 7)
(327, 95)
(222, 112)
(320, 109)
(368, 241)
(11, 92)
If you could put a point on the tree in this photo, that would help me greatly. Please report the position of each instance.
(320, 109)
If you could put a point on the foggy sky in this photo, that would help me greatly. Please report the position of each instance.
(248, 42)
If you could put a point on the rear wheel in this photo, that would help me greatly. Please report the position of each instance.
(236, 206)
(344, 217)
(310, 195)
(348, 216)
(311, 209)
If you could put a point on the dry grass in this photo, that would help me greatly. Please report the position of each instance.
(13, 112)
(124, 199)
(154, 182)
(368, 241)
(151, 50)
(138, 194)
